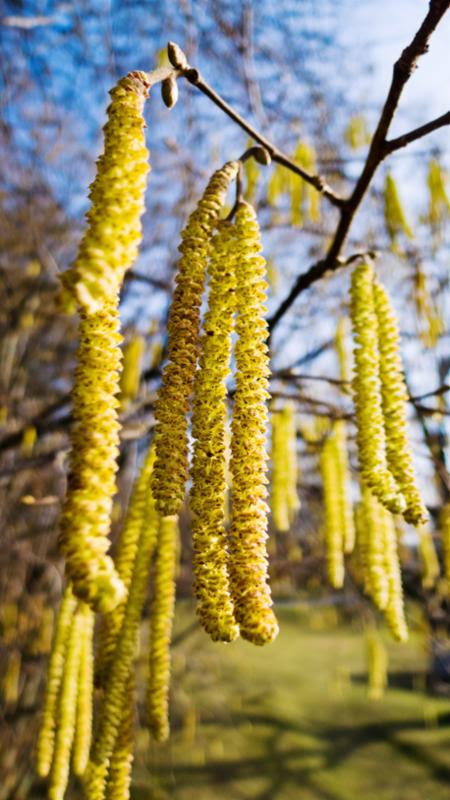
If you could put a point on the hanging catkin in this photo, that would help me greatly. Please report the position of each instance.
(209, 429)
(112, 703)
(367, 393)
(248, 557)
(394, 612)
(55, 671)
(445, 534)
(66, 711)
(439, 203)
(285, 501)
(394, 400)
(332, 494)
(131, 372)
(83, 724)
(108, 248)
(111, 241)
(172, 405)
(428, 557)
(375, 549)
(161, 627)
(124, 563)
(393, 211)
(377, 665)
(119, 776)
(91, 485)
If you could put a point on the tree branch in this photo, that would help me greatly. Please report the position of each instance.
(319, 183)
(402, 71)
(417, 133)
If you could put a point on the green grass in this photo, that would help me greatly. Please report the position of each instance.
(292, 720)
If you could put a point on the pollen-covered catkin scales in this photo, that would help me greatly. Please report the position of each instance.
(248, 556)
(172, 405)
(112, 704)
(370, 434)
(375, 553)
(161, 627)
(394, 400)
(67, 704)
(95, 445)
(119, 776)
(209, 429)
(46, 738)
(83, 725)
(110, 244)
(124, 563)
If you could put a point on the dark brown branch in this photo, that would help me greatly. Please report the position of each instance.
(402, 71)
(194, 77)
(401, 141)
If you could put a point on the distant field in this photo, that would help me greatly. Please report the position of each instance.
(293, 721)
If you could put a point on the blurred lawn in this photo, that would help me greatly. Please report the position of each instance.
(292, 720)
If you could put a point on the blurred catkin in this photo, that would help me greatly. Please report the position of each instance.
(87, 509)
(377, 665)
(248, 535)
(209, 429)
(112, 702)
(394, 403)
(334, 531)
(85, 695)
(55, 671)
(285, 501)
(370, 434)
(172, 405)
(124, 562)
(131, 372)
(161, 620)
(428, 557)
(113, 234)
(445, 534)
(66, 711)
(393, 211)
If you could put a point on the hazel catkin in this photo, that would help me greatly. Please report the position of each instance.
(172, 405)
(394, 402)
(209, 429)
(248, 557)
(370, 435)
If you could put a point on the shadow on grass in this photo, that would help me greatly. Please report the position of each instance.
(300, 766)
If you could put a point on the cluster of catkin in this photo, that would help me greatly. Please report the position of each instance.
(380, 398)
(230, 566)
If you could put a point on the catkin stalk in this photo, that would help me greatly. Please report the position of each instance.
(172, 405)
(248, 534)
(209, 429)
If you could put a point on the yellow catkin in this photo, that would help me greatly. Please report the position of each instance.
(357, 132)
(95, 445)
(431, 322)
(161, 619)
(394, 401)
(124, 563)
(112, 702)
(46, 738)
(172, 405)
(66, 711)
(394, 612)
(428, 557)
(131, 372)
(284, 496)
(393, 212)
(378, 582)
(209, 429)
(334, 532)
(113, 234)
(10, 681)
(345, 370)
(344, 493)
(377, 658)
(248, 534)
(83, 725)
(445, 534)
(370, 435)
(439, 202)
(119, 777)
(361, 545)
(28, 442)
